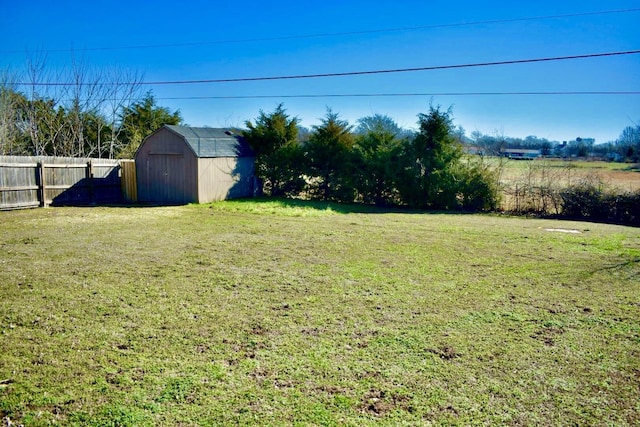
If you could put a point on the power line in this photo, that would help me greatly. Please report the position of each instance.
(325, 35)
(372, 95)
(356, 73)
(390, 95)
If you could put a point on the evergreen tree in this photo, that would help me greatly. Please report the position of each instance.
(13, 138)
(330, 160)
(377, 150)
(434, 174)
(428, 179)
(140, 120)
(274, 139)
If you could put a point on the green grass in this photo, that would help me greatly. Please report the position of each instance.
(295, 313)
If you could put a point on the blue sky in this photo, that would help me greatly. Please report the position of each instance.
(204, 40)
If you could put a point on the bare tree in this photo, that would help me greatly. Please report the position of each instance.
(40, 116)
(97, 100)
(76, 112)
(35, 103)
(84, 99)
(123, 90)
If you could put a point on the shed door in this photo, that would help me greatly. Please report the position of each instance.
(166, 178)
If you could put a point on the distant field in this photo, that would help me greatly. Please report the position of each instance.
(525, 183)
(622, 176)
(280, 313)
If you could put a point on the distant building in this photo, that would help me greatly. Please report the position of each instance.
(520, 153)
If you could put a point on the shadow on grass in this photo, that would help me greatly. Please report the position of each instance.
(617, 268)
(123, 205)
(343, 208)
(247, 204)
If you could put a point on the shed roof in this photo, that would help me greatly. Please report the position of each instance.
(213, 142)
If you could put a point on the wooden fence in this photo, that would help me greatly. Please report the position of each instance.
(42, 181)
(129, 182)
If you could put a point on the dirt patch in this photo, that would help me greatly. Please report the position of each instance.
(445, 352)
(548, 335)
(380, 403)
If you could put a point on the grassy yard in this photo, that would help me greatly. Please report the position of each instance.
(272, 313)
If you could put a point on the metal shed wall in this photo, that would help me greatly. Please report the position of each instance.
(223, 178)
(166, 170)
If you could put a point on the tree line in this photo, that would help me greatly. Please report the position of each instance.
(97, 113)
(45, 127)
(626, 148)
(375, 163)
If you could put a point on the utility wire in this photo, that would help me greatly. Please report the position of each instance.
(325, 35)
(354, 73)
(389, 95)
(366, 95)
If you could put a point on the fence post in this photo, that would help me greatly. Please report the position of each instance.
(42, 193)
(89, 176)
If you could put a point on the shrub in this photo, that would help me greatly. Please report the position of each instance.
(595, 203)
(479, 188)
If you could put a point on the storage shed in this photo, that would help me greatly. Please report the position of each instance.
(181, 164)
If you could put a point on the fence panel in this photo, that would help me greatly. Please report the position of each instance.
(65, 184)
(42, 181)
(18, 184)
(129, 180)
